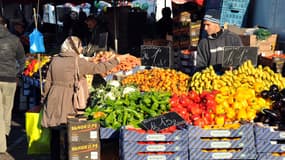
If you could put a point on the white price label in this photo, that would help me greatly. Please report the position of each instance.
(222, 155)
(93, 134)
(221, 144)
(220, 133)
(155, 137)
(94, 155)
(155, 148)
(156, 157)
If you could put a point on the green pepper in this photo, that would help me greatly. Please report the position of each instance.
(135, 113)
(125, 116)
(148, 111)
(154, 106)
(110, 119)
(146, 100)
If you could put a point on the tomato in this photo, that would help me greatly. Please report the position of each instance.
(199, 122)
(196, 110)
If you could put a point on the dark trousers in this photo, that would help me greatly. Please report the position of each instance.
(59, 145)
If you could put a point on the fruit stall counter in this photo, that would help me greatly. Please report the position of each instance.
(226, 116)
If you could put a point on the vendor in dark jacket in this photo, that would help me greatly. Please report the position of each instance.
(210, 49)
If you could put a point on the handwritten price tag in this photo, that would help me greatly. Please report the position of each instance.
(236, 55)
(159, 56)
(163, 121)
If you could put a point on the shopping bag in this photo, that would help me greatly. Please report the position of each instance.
(36, 42)
(37, 136)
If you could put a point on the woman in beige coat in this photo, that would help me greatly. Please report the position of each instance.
(59, 86)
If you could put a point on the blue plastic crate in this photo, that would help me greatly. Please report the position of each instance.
(198, 132)
(174, 156)
(130, 135)
(233, 17)
(243, 142)
(269, 156)
(268, 133)
(136, 147)
(245, 153)
(236, 4)
(268, 146)
(109, 133)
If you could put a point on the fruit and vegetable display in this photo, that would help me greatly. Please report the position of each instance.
(32, 66)
(114, 105)
(159, 79)
(246, 75)
(128, 64)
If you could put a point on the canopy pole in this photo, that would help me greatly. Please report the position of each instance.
(38, 55)
(2, 7)
(115, 27)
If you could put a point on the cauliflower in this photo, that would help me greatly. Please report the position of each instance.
(110, 95)
(129, 90)
(114, 83)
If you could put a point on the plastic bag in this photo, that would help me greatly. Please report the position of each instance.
(37, 136)
(36, 42)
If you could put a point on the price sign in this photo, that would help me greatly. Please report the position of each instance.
(234, 56)
(159, 56)
(163, 121)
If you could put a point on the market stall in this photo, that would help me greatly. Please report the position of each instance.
(149, 109)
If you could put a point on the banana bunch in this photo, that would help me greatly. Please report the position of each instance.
(246, 75)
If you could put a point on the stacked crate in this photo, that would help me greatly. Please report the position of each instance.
(136, 145)
(83, 139)
(234, 12)
(222, 143)
(270, 143)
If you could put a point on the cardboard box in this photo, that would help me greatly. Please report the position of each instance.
(265, 47)
(84, 150)
(82, 130)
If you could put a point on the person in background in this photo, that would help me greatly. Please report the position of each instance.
(12, 63)
(95, 28)
(210, 49)
(164, 25)
(59, 87)
(19, 30)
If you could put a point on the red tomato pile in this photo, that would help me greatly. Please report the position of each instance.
(196, 109)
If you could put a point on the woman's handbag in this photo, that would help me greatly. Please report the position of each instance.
(80, 94)
(37, 136)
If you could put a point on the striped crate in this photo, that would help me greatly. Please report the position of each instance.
(155, 156)
(269, 146)
(243, 142)
(268, 133)
(108, 133)
(269, 156)
(130, 135)
(167, 146)
(243, 130)
(245, 154)
(139, 146)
